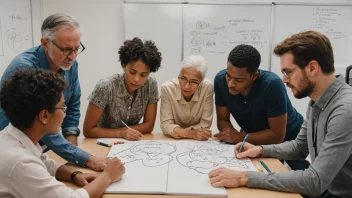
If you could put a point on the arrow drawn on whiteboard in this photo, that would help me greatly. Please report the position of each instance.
(224, 31)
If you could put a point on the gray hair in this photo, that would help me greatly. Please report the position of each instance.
(195, 61)
(53, 22)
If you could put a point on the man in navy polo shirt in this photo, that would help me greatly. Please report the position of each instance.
(257, 99)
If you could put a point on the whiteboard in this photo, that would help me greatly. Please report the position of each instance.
(214, 30)
(161, 23)
(15, 30)
(333, 21)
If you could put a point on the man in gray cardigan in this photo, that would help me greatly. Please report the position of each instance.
(307, 64)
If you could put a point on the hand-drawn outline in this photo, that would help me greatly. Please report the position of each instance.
(209, 42)
(204, 157)
(196, 41)
(151, 153)
(201, 25)
(196, 50)
(15, 41)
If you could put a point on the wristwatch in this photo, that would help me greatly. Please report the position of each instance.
(71, 131)
(73, 175)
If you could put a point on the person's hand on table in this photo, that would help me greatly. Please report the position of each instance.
(96, 163)
(224, 177)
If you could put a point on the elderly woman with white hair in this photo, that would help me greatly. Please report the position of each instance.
(187, 102)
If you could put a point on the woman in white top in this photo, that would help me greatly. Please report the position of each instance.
(34, 103)
(187, 102)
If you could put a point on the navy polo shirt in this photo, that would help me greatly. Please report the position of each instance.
(266, 99)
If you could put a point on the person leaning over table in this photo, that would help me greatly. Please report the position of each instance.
(307, 63)
(186, 109)
(33, 101)
(257, 99)
(60, 46)
(127, 97)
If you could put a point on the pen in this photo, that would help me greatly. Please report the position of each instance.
(140, 134)
(210, 136)
(103, 144)
(244, 140)
(124, 123)
(118, 142)
(264, 165)
(260, 167)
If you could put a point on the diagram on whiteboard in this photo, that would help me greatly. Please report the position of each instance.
(150, 153)
(215, 39)
(15, 40)
(206, 156)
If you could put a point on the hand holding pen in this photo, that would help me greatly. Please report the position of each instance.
(248, 150)
(130, 134)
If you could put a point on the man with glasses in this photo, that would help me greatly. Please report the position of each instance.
(60, 46)
(258, 101)
(307, 61)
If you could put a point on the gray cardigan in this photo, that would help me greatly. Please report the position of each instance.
(331, 117)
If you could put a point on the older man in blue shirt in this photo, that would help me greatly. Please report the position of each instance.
(60, 45)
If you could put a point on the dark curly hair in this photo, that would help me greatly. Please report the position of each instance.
(135, 49)
(245, 56)
(307, 46)
(28, 92)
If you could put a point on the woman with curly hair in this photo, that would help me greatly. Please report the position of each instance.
(118, 102)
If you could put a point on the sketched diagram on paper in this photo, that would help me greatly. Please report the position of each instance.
(151, 153)
(207, 156)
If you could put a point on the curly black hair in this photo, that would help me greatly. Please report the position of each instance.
(27, 93)
(245, 56)
(135, 49)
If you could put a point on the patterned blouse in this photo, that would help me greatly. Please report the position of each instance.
(111, 95)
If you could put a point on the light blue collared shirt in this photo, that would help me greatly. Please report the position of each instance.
(35, 58)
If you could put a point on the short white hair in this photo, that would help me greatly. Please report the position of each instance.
(195, 61)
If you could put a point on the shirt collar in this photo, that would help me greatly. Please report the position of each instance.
(35, 150)
(334, 87)
(179, 97)
(44, 63)
(122, 90)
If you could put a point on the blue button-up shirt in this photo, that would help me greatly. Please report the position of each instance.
(35, 58)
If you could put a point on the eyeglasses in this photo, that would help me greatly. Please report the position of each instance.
(68, 51)
(192, 83)
(287, 72)
(64, 108)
